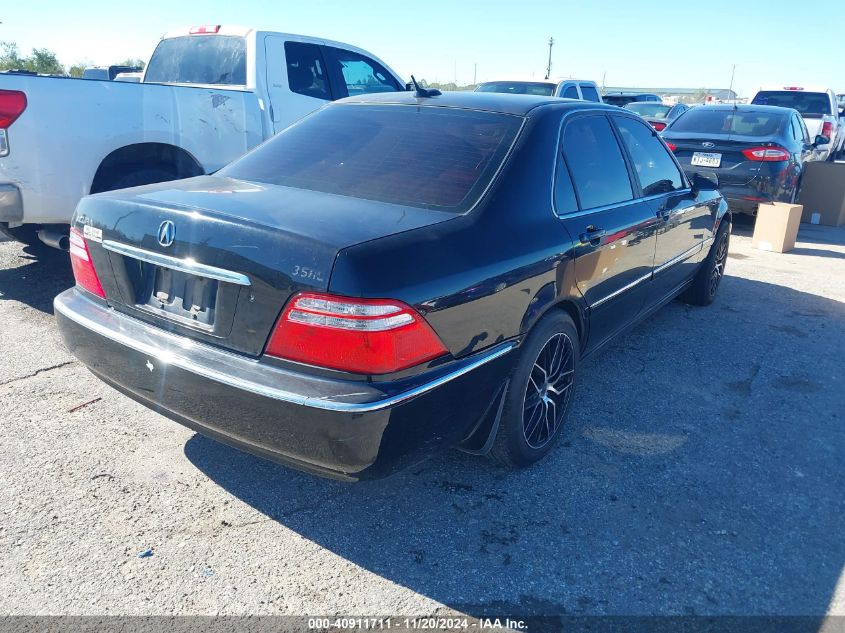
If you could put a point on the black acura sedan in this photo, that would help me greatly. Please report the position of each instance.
(757, 152)
(393, 274)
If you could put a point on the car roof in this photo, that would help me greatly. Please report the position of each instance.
(800, 88)
(519, 105)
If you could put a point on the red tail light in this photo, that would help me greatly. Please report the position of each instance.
(12, 105)
(671, 146)
(362, 336)
(658, 125)
(83, 267)
(827, 129)
(766, 154)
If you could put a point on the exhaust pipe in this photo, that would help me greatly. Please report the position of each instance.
(56, 239)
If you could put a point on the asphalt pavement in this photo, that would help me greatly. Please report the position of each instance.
(702, 472)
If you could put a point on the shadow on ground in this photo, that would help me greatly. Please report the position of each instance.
(705, 477)
(34, 276)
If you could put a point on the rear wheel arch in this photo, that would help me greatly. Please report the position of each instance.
(546, 302)
(153, 159)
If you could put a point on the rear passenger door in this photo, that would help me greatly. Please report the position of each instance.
(597, 200)
(684, 224)
(297, 80)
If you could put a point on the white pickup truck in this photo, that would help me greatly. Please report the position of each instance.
(819, 109)
(208, 95)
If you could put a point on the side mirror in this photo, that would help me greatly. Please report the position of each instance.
(821, 140)
(704, 181)
(409, 87)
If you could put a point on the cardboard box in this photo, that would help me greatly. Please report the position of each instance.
(776, 227)
(823, 194)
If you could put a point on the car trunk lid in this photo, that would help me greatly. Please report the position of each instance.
(215, 259)
(734, 168)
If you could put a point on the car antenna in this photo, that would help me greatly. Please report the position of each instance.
(423, 93)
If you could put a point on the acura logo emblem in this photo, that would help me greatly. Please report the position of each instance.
(708, 144)
(166, 233)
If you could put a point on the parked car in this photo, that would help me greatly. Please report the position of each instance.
(207, 96)
(566, 88)
(657, 114)
(621, 99)
(818, 108)
(380, 280)
(129, 77)
(757, 152)
(108, 73)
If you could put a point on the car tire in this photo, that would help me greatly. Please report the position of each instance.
(539, 393)
(706, 282)
(141, 176)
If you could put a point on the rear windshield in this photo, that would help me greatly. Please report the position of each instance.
(199, 59)
(649, 109)
(708, 120)
(807, 103)
(430, 157)
(519, 88)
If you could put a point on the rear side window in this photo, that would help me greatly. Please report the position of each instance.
(655, 168)
(710, 120)
(807, 103)
(199, 59)
(362, 75)
(518, 88)
(571, 92)
(428, 157)
(595, 160)
(589, 93)
(307, 70)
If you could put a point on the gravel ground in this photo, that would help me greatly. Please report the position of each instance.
(706, 477)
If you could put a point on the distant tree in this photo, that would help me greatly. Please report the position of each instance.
(10, 58)
(76, 70)
(42, 60)
(447, 87)
(136, 61)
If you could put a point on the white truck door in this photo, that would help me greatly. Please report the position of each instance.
(297, 79)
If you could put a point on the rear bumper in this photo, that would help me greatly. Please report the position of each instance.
(11, 204)
(339, 428)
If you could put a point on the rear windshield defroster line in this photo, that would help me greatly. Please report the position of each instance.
(431, 157)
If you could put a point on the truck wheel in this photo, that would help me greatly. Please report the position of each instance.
(706, 282)
(135, 177)
(539, 394)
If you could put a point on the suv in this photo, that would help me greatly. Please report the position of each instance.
(567, 88)
(622, 99)
(817, 106)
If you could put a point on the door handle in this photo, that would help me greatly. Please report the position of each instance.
(592, 235)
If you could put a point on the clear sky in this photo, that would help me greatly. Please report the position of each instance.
(683, 43)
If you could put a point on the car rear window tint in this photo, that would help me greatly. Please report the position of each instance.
(199, 59)
(708, 120)
(595, 161)
(807, 103)
(519, 88)
(428, 157)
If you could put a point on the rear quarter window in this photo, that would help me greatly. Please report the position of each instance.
(199, 59)
(428, 157)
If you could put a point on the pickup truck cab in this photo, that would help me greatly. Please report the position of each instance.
(582, 89)
(818, 107)
(208, 95)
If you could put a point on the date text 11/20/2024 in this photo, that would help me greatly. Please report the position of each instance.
(418, 623)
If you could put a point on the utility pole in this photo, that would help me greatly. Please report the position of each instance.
(549, 67)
